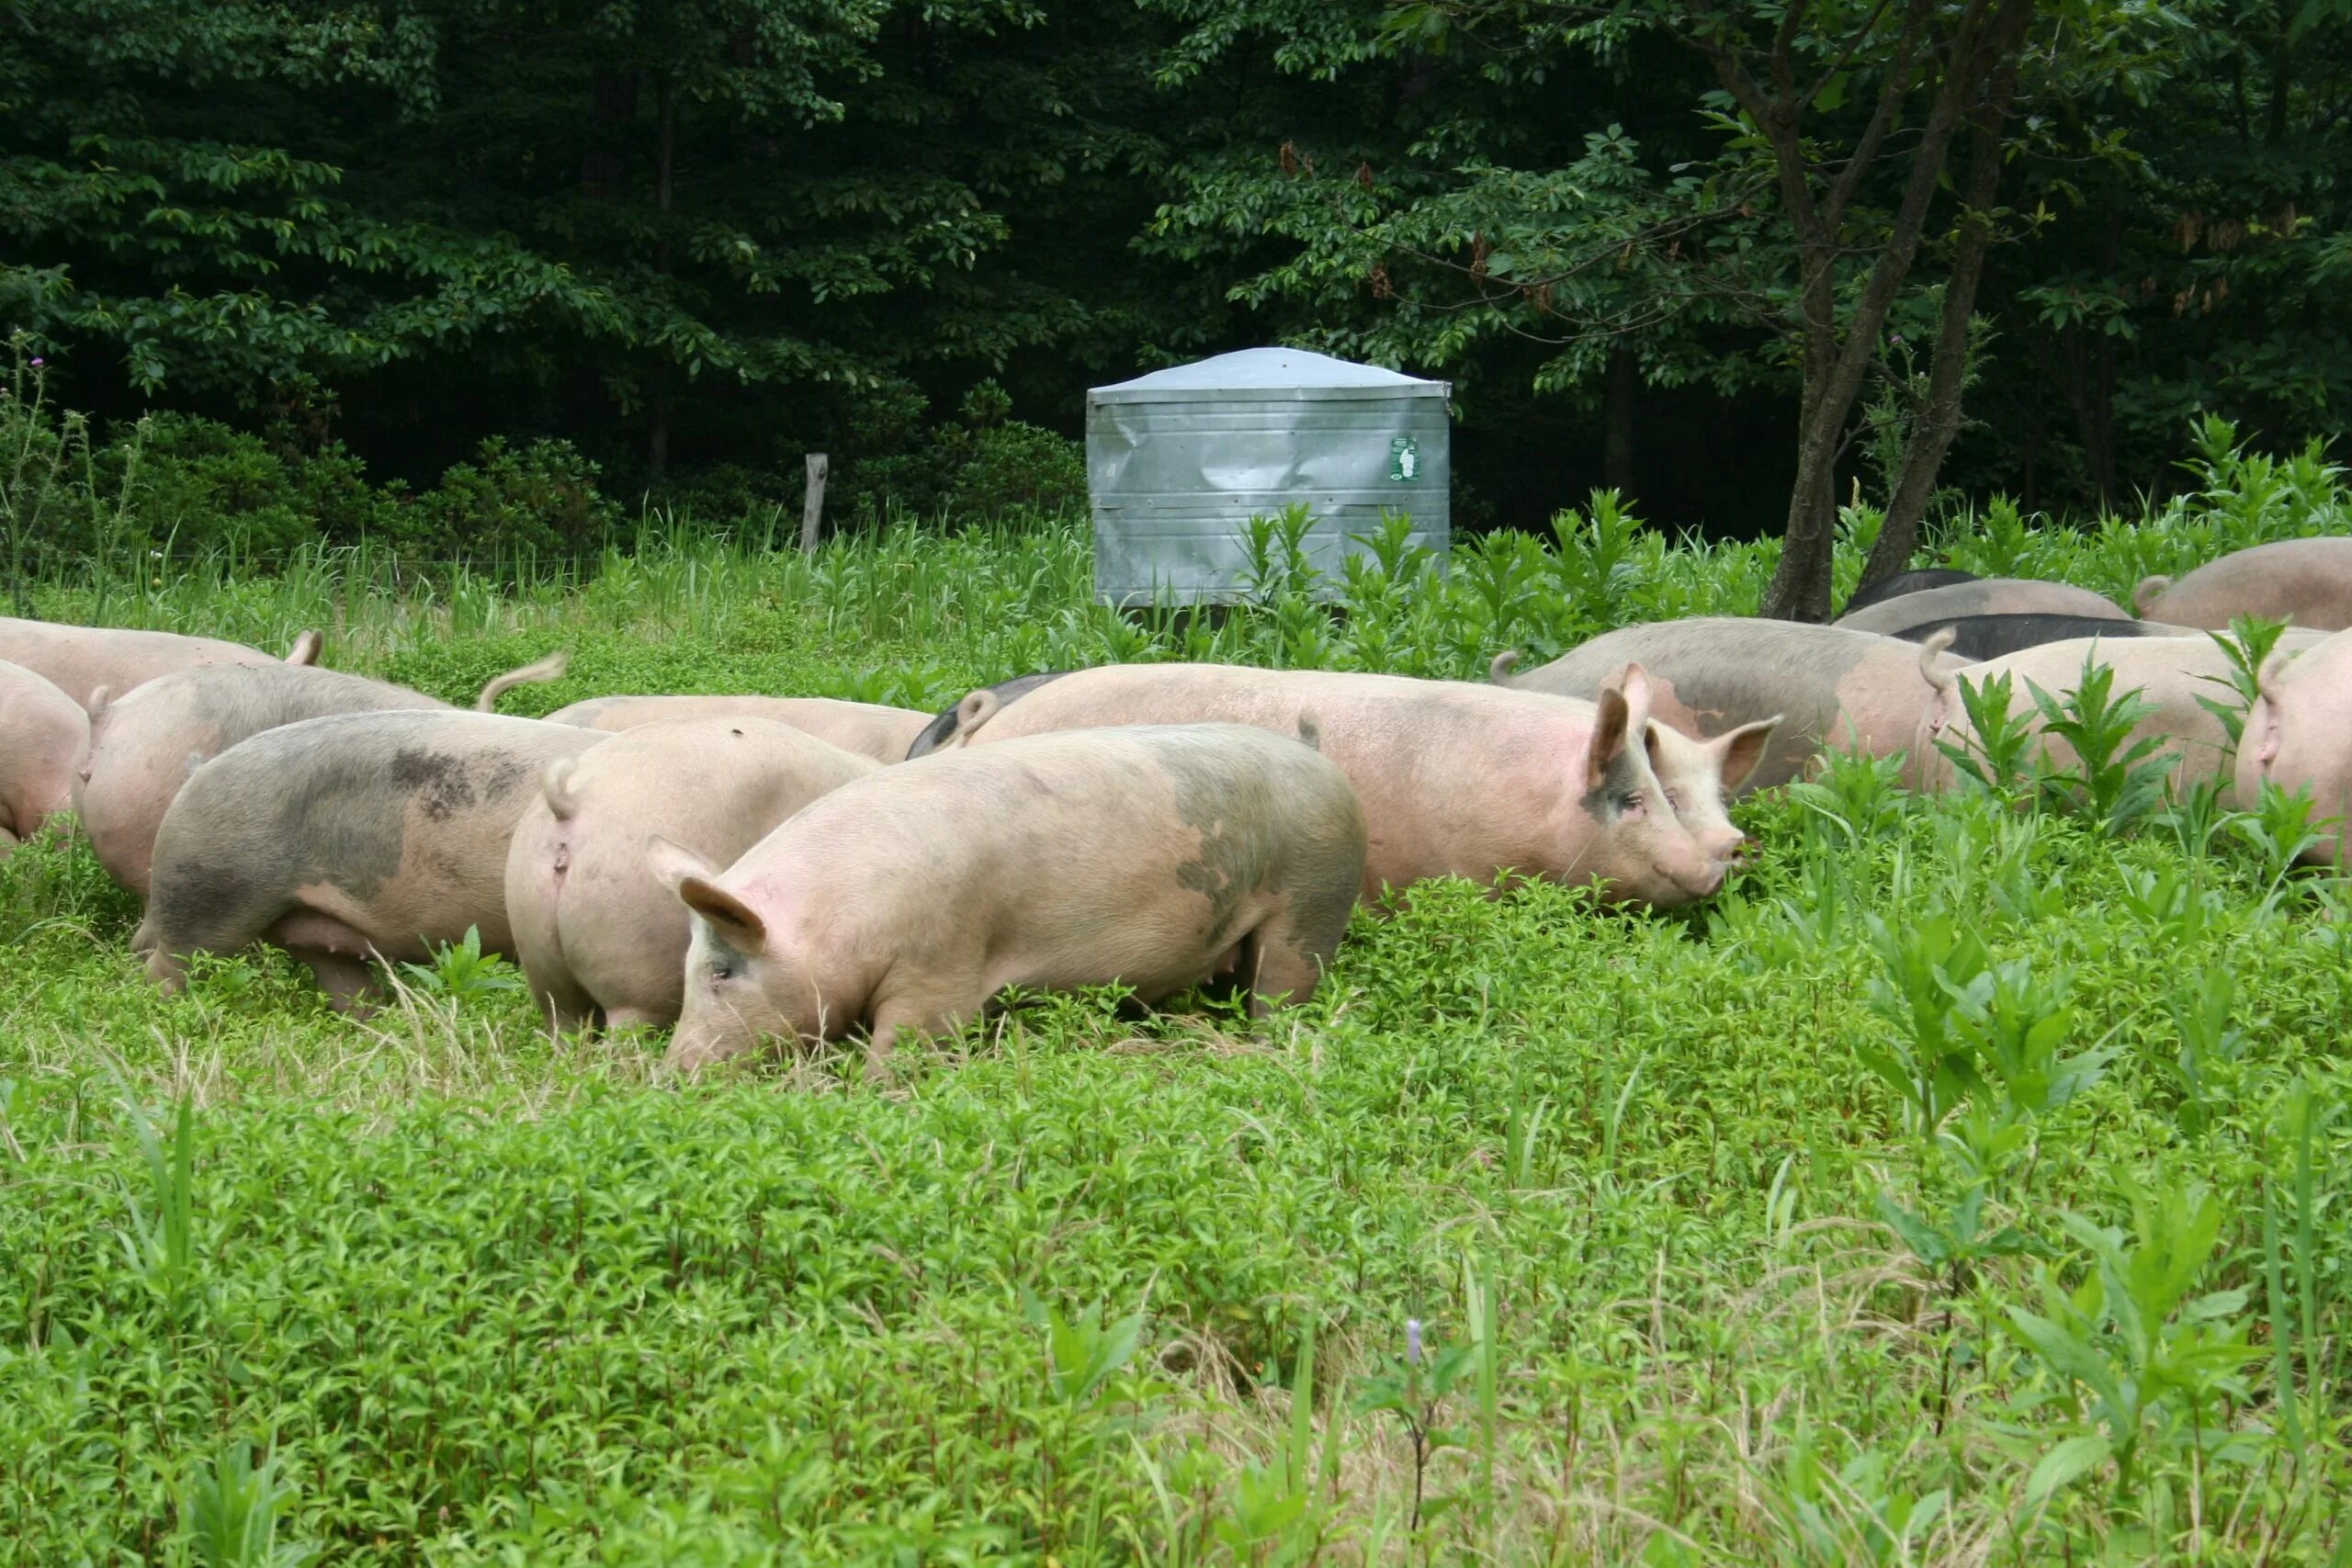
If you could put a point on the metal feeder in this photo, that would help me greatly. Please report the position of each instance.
(1178, 462)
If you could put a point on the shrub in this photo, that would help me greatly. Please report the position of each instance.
(539, 501)
(984, 466)
(1019, 467)
(205, 485)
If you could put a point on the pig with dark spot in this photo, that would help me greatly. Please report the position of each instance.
(1456, 779)
(43, 733)
(1903, 582)
(2307, 582)
(2171, 673)
(870, 729)
(86, 661)
(143, 744)
(347, 839)
(595, 930)
(1710, 675)
(942, 729)
(1154, 857)
(1993, 596)
(2299, 736)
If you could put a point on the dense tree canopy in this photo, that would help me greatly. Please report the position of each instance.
(2040, 235)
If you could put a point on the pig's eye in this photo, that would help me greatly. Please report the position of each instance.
(1674, 800)
(723, 969)
(1633, 804)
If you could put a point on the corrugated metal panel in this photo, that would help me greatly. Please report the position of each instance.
(1179, 460)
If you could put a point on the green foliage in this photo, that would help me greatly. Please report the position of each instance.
(1960, 1174)
(462, 973)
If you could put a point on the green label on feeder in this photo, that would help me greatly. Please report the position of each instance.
(1403, 459)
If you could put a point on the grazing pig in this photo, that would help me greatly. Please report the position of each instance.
(1152, 857)
(143, 746)
(2299, 736)
(2307, 582)
(2171, 672)
(347, 837)
(43, 733)
(1712, 674)
(1993, 596)
(83, 661)
(1456, 779)
(593, 928)
(870, 729)
(1903, 582)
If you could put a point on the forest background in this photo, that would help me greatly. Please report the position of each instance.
(375, 262)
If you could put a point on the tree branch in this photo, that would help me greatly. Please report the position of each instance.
(1891, 94)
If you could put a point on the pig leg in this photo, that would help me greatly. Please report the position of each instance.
(939, 1010)
(565, 1005)
(204, 912)
(1283, 968)
(637, 1018)
(349, 983)
(339, 956)
(168, 970)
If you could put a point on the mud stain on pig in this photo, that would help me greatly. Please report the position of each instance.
(1233, 815)
(1253, 839)
(438, 783)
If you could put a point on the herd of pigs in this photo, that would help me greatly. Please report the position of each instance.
(755, 869)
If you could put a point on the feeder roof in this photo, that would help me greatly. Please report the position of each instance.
(1261, 372)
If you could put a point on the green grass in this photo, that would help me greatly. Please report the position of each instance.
(1963, 1186)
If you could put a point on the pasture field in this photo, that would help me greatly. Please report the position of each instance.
(1967, 1184)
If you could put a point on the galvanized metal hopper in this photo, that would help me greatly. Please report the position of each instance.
(1179, 460)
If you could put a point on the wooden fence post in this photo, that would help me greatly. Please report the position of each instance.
(812, 509)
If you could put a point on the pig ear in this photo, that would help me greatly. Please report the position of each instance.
(1624, 713)
(733, 921)
(1498, 671)
(2149, 591)
(975, 710)
(1635, 684)
(305, 650)
(1610, 730)
(1743, 749)
(673, 863)
(689, 876)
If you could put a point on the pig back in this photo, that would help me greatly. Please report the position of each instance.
(80, 660)
(1712, 674)
(2307, 582)
(142, 745)
(1102, 841)
(395, 823)
(2170, 674)
(1993, 596)
(871, 729)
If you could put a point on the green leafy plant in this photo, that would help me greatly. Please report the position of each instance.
(230, 1512)
(2141, 1359)
(462, 972)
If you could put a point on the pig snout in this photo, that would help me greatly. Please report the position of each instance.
(1721, 851)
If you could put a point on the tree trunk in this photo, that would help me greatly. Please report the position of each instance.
(1800, 587)
(1984, 38)
(1939, 423)
(1617, 439)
